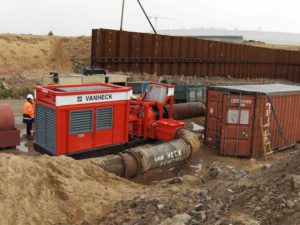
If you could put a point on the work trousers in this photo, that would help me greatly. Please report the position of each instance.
(29, 127)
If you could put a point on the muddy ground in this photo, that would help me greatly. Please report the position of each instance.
(209, 189)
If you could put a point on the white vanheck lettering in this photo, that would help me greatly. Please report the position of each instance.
(100, 97)
(91, 98)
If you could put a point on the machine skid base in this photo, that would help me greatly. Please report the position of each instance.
(98, 152)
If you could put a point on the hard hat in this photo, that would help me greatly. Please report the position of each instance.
(30, 96)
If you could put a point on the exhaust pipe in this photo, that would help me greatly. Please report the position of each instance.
(138, 160)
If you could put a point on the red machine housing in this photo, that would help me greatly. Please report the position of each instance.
(73, 119)
(149, 117)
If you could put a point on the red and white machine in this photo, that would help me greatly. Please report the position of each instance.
(73, 119)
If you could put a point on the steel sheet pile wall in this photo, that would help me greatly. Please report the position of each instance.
(161, 54)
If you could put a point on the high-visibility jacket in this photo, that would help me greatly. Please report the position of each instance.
(28, 110)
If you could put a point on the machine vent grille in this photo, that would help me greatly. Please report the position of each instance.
(45, 128)
(81, 121)
(104, 118)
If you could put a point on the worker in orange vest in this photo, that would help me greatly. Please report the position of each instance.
(28, 114)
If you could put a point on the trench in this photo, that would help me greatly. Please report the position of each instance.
(177, 169)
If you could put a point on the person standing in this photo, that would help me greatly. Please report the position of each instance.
(28, 115)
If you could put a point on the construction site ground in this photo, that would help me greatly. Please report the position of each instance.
(208, 189)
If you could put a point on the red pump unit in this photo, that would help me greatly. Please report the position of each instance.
(74, 119)
(149, 118)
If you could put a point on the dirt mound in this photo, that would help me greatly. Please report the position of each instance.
(16, 86)
(36, 56)
(57, 190)
(271, 196)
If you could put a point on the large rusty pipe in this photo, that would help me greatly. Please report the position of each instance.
(112, 164)
(9, 135)
(141, 159)
(183, 111)
(7, 120)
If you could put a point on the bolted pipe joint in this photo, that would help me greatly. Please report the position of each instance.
(190, 138)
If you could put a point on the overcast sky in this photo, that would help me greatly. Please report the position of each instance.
(78, 17)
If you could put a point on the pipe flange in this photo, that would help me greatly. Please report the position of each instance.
(190, 138)
(132, 163)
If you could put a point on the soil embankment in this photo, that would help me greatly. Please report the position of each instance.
(35, 56)
(57, 190)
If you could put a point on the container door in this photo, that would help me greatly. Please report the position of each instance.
(236, 130)
(214, 118)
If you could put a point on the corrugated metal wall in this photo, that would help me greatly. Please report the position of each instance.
(286, 107)
(161, 54)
